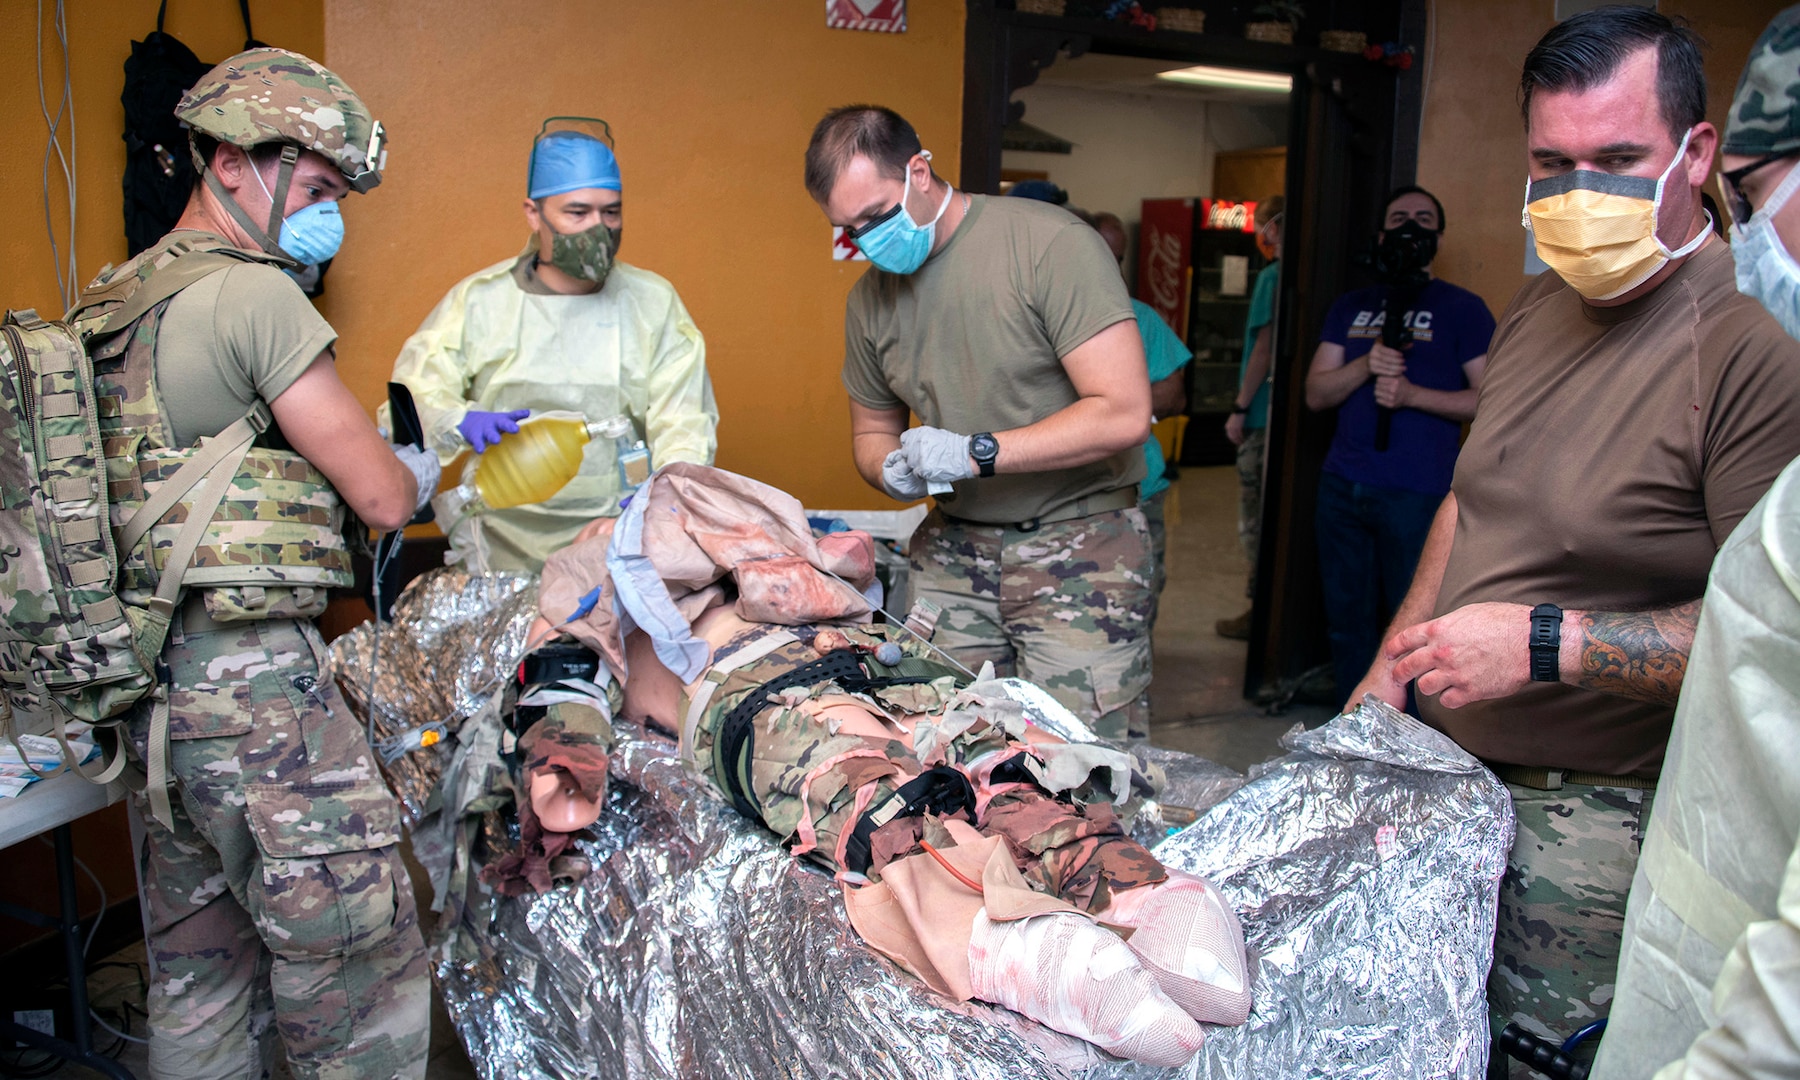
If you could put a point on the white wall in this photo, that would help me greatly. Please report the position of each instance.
(1135, 146)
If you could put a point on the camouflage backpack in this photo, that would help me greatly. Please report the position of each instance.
(75, 643)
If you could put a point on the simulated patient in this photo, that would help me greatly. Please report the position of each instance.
(980, 853)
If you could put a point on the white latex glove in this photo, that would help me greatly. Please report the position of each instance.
(940, 457)
(899, 480)
(426, 469)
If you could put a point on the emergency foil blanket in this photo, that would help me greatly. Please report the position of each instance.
(1365, 866)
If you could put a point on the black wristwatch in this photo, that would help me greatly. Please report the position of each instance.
(984, 448)
(1546, 643)
(1240, 410)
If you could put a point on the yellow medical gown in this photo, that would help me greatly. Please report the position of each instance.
(491, 344)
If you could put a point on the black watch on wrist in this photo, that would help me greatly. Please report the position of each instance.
(1546, 643)
(1240, 410)
(984, 448)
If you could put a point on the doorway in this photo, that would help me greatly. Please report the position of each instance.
(1345, 134)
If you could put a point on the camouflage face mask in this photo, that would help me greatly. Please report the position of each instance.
(587, 255)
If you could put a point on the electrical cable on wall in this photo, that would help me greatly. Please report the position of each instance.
(68, 281)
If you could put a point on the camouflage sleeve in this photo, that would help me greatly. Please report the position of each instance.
(574, 738)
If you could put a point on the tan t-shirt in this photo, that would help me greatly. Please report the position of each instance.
(973, 340)
(1613, 451)
(229, 340)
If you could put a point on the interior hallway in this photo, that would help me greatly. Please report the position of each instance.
(1196, 698)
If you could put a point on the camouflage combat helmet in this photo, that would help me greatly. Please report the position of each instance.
(1765, 111)
(275, 96)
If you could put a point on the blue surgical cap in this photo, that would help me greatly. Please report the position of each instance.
(568, 161)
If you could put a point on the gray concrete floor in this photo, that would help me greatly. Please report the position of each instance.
(1197, 703)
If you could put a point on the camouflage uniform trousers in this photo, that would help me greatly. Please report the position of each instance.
(1066, 606)
(1156, 520)
(1251, 453)
(278, 903)
(1562, 907)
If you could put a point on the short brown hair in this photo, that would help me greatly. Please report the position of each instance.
(872, 131)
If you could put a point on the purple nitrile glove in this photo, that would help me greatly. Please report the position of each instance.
(483, 429)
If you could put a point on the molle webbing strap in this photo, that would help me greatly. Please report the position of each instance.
(163, 283)
(940, 790)
(9, 727)
(162, 606)
(736, 735)
(709, 685)
(232, 443)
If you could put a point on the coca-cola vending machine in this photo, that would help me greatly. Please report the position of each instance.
(1197, 260)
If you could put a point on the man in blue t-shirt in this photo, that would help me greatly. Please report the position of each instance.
(1376, 506)
(1247, 426)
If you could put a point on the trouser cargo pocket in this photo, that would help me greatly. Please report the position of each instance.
(329, 882)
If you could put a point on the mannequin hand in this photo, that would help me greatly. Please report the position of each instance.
(936, 455)
(426, 469)
(899, 480)
(483, 429)
(559, 804)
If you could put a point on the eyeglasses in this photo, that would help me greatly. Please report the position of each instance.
(1729, 186)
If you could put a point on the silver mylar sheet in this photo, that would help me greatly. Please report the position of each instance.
(1364, 864)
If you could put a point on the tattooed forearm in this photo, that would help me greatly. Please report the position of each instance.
(1635, 654)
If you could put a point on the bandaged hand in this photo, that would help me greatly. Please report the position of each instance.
(936, 455)
(899, 480)
(426, 469)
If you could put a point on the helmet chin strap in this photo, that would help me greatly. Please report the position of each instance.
(264, 236)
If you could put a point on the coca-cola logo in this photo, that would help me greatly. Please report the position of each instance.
(1225, 215)
(1165, 272)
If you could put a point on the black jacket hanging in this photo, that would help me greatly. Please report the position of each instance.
(159, 175)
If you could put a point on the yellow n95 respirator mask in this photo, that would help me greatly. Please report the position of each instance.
(1598, 230)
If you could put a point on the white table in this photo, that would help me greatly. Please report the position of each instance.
(49, 806)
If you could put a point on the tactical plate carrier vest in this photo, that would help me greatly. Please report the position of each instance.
(103, 523)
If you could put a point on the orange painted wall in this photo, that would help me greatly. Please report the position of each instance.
(711, 105)
(100, 36)
(1472, 147)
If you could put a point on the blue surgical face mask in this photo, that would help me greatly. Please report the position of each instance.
(1765, 268)
(896, 243)
(310, 234)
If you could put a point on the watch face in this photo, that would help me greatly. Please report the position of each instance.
(984, 447)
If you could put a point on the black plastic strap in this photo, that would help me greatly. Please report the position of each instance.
(554, 663)
(1546, 643)
(737, 732)
(940, 789)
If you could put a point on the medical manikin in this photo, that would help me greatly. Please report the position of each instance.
(977, 851)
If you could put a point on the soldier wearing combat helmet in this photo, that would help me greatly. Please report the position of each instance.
(275, 901)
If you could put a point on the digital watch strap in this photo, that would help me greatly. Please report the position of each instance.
(1546, 643)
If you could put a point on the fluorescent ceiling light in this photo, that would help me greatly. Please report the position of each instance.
(1230, 78)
